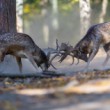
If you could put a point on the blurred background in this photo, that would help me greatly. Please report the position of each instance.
(65, 20)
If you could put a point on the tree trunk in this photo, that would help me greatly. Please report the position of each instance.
(104, 10)
(7, 16)
(7, 24)
(19, 14)
(85, 13)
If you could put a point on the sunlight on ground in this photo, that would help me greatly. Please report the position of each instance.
(94, 86)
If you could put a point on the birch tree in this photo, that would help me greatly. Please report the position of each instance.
(19, 14)
(103, 11)
(85, 14)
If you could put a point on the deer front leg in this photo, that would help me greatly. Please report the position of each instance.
(1, 56)
(106, 48)
(31, 59)
(19, 62)
(106, 59)
(93, 53)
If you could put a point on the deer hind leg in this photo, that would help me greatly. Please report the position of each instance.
(19, 62)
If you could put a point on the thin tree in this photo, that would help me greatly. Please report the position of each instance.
(103, 11)
(85, 14)
(19, 14)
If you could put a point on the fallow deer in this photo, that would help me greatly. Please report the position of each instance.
(96, 36)
(21, 45)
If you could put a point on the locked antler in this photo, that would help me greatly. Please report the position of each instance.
(63, 51)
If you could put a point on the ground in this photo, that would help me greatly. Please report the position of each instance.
(74, 91)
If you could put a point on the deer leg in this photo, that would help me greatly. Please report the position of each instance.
(93, 53)
(2, 56)
(106, 59)
(31, 59)
(19, 62)
(106, 48)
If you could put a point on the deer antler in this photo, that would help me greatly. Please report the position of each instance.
(63, 56)
(57, 45)
(63, 51)
(72, 55)
(57, 51)
(48, 57)
(60, 50)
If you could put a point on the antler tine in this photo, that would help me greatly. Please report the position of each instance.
(57, 45)
(54, 57)
(58, 53)
(50, 62)
(63, 57)
(53, 66)
(73, 60)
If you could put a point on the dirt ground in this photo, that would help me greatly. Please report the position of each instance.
(74, 91)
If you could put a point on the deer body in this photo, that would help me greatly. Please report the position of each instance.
(96, 36)
(22, 46)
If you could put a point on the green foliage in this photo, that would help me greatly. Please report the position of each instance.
(66, 5)
(31, 6)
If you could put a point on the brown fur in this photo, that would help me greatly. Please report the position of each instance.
(96, 36)
(22, 46)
